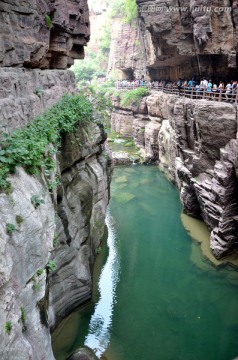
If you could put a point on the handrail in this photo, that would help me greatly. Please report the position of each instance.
(220, 96)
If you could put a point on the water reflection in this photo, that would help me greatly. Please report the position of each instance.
(98, 337)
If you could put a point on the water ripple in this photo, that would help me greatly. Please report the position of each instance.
(98, 337)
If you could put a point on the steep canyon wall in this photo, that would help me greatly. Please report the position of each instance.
(39, 40)
(179, 38)
(195, 144)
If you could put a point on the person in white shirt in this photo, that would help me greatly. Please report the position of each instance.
(203, 84)
(228, 91)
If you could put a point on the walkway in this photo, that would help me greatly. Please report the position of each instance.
(192, 94)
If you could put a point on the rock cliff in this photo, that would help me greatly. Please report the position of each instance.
(81, 204)
(179, 38)
(127, 53)
(66, 227)
(49, 236)
(26, 93)
(195, 144)
(43, 34)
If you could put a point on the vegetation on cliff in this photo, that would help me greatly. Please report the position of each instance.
(133, 97)
(30, 147)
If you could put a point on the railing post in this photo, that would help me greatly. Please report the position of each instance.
(236, 99)
(220, 95)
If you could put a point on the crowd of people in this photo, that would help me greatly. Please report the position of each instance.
(199, 87)
(210, 88)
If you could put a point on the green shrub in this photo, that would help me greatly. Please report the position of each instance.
(51, 266)
(99, 249)
(36, 201)
(8, 327)
(28, 147)
(19, 219)
(133, 97)
(48, 21)
(40, 272)
(23, 319)
(10, 228)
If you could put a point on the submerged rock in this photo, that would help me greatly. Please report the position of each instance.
(85, 353)
(122, 158)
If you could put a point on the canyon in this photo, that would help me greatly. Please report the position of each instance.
(49, 238)
(195, 144)
(181, 38)
(48, 252)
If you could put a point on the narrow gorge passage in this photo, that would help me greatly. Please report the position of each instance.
(168, 302)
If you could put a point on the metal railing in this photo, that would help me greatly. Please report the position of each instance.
(194, 93)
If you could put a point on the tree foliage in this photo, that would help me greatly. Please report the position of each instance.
(133, 97)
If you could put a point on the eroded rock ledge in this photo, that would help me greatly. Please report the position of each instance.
(178, 38)
(195, 144)
(43, 34)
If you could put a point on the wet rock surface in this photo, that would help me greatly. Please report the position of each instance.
(84, 353)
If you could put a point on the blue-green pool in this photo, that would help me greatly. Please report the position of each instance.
(155, 302)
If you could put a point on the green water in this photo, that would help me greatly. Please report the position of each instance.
(154, 302)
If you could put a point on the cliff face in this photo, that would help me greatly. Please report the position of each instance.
(43, 34)
(26, 93)
(81, 204)
(180, 38)
(127, 53)
(24, 251)
(195, 144)
(65, 228)
(49, 236)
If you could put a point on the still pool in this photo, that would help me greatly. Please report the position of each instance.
(154, 300)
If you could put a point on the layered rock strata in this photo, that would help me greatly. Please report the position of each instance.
(26, 93)
(179, 38)
(43, 34)
(66, 227)
(49, 238)
(195, 144)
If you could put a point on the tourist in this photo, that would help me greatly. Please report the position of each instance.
(190, 84)
(179, 85)
(209, 88)
(221, 88)
(234, 90)
(214, 90)
(203, 85)
(228, 90)
(185, 84)
(197, 90)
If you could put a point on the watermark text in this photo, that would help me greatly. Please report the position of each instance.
(182, 9)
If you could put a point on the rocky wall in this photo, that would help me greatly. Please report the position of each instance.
(26, 93)
(43, 34)
(127, 53)
(195, 144)
(81, 204)
(66, 227)
(178, 38)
